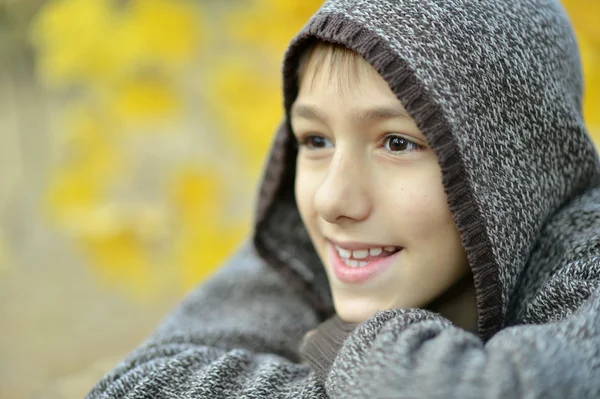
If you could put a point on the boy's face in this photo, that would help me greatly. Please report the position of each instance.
(369, 191)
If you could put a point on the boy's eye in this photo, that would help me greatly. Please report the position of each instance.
(315, 142)
(399, 144)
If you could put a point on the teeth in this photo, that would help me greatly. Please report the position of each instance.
(375, 251)
(363, 253)
(360, 253)
(354, 263)
(344, 253)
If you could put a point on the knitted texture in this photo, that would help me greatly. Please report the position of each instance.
(319, 349)
(496, 88)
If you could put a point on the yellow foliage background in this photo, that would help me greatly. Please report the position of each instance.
(139, 68)
(158, 117)
(130, 62)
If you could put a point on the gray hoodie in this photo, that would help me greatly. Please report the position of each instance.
(496, 88)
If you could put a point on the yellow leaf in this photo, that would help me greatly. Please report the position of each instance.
(247, 102)
(96, 42)
(585, 15)
(145, 99)
(91, 144)
(161, 32)
(301, 10)
(89, 165)
(75, 42)
(71, 192)
(196, 195)
(206, 234)
(591, 66)
(270, 24)
(119, 259)
(124, 243)
(201, 251)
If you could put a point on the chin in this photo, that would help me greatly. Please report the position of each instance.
(356, 310)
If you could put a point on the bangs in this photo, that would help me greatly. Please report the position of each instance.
(342, 66)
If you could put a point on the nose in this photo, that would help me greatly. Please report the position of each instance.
(343, 194)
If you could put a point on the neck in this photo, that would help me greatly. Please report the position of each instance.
(458, 304)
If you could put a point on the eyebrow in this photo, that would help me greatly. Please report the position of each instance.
(377, 114)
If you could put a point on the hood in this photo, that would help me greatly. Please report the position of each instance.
(496, 87)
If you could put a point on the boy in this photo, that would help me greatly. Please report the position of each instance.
(433, 170)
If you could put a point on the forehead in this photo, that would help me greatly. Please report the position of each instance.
(332, 78)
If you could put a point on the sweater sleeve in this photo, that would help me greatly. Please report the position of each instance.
(415, 353)
(234, 336)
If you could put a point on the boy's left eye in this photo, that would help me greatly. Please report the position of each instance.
(399, 144)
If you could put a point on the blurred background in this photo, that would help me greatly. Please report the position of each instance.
(132, 138)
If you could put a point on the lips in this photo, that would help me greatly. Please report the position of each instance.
(364, 256)
(353, 271)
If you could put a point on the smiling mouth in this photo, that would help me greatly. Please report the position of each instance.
(362, 257)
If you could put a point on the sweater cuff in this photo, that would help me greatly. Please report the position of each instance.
(320, 348)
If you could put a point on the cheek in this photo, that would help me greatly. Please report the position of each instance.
(305, 188)
(430, 208)
(422, 208)
(432, 232)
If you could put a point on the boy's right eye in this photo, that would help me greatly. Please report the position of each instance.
(314, 142)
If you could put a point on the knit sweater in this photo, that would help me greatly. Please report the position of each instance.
(496, 88)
